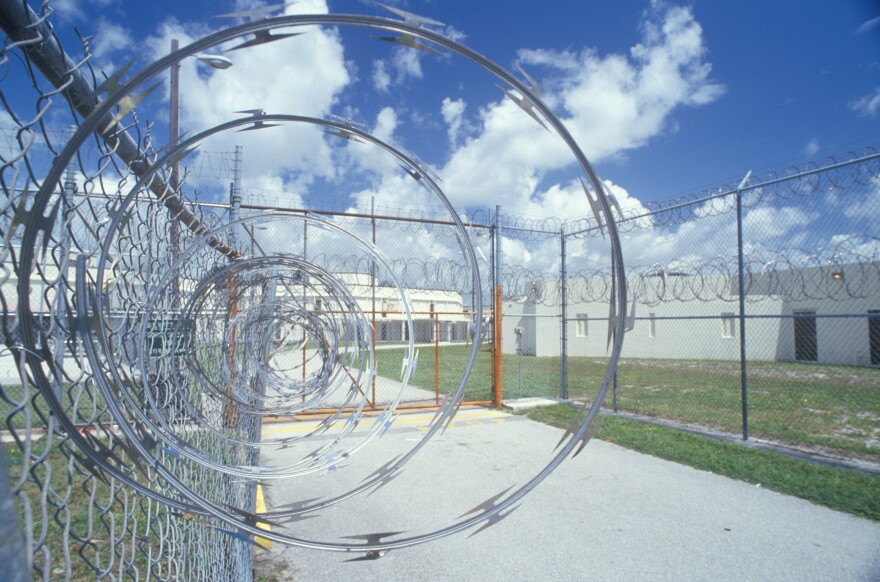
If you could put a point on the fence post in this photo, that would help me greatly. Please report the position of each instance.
(67, 193)
(14, 556)
(235, 194)
(614, 400)
(373, 291)
(304, 306)
(744, 380)
(436, 359)
(496, 316)
(563, 275)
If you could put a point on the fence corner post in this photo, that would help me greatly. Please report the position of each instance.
(564, 315)
(743, 372)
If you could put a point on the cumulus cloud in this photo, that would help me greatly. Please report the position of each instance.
(868, 25)
(381, 77)
(113, 38)
(610, 104)
(812, 147)
(280, 70)
(453, 115)
(868, 105)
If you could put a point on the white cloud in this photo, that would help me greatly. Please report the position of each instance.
(610, 104)
(766, 223)
(270, 77)
(867, 208)
(868, 105)
(381, 78)
(359, 158)
(453, 115)
(67, 10)
(812, 147)
(868, 25)
(112, 38)
(407, 63)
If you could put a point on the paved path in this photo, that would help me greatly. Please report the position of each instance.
(609, 514)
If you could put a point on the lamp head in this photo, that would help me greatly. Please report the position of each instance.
(215, 61)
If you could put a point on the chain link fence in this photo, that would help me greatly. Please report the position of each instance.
(142, 354)
(752, 310)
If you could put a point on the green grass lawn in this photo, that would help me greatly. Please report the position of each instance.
(841, 489)
(835, 408)
(82, 504)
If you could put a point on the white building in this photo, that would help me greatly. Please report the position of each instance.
(815, 315)
(434, 310)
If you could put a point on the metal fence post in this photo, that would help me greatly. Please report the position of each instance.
(744, 380)
(614, 401)
(564, 315)
(235, 194)
(13, 554)
(61, 332)
(496, 316)
(373, 292)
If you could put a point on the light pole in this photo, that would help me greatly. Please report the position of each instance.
(214, 61)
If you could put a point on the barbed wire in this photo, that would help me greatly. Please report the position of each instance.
(149, 342)
(855, 169)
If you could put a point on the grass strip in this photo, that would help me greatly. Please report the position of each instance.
(837, 488)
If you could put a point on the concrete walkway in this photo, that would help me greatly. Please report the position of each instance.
(609, 514)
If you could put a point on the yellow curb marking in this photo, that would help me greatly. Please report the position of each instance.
(261, 508)
(463, 416)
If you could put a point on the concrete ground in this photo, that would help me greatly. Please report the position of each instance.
(608, 514)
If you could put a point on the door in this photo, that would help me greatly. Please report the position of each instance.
(805, 340)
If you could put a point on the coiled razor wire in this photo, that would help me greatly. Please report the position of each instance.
(787, 274)
(163, 338)
(856, 169)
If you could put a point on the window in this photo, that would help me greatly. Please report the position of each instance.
(432, 311)
(806, 345)
(728, 325)
(582, 320)
(652, 325)
(317, 305)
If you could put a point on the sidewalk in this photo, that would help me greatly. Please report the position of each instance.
(609, 514)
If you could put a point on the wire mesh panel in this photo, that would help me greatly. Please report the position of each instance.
(752, 310)
(812, 280)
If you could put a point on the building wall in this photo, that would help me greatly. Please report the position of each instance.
(710, 329)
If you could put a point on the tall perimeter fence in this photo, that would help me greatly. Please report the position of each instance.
(755, 310)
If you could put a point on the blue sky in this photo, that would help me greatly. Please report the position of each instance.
(666, 98)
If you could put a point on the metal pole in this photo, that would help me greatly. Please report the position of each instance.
(743, 373)
(13, 554)
(174, 182)
(564, 284)
(614, 310)
(373, 285)
(499, 368)
(436, 359)
(235, 194)
(234, 205)
(519, 392)
(304, 306)
(67, 193)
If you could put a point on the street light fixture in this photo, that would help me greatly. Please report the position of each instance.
(215, 61)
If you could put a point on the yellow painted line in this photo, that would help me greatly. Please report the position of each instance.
(261, 508)
(401, 420)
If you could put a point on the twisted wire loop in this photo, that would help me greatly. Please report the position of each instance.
(152, 337)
